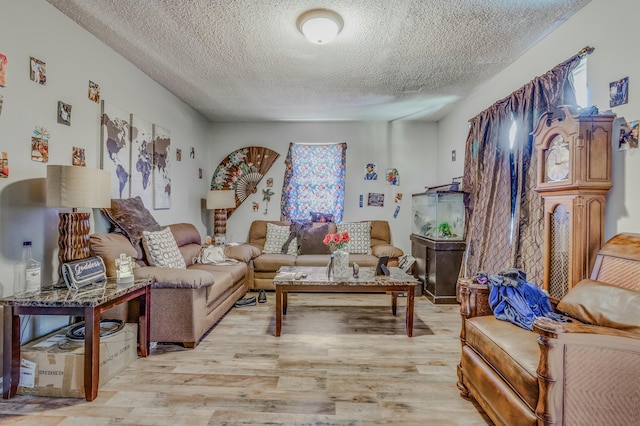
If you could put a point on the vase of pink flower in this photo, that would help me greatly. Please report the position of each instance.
(339, 256)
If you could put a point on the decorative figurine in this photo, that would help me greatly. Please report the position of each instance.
(124, 269)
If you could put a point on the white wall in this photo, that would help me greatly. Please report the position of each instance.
(408, 146)
(611, 28)
(73, 57)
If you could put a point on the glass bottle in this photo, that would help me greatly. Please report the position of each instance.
(27, 273)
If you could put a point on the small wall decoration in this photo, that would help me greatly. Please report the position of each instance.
(78, 158)
(629, 135)
(200, 173)
(161, 168)
(4, 165)
(392, 177)
(255, 206)
(398, 198)
(270, 183)
(141, 159)
(370, 172)
(618, 92)
(375, 199)
(116, 148)
(38, 71)
(266, 197)
(94, 92)
(192, 153)
(64, 113)
(1, 102)
(178, 155)
(40, 145)
(361, 201)
(3, 70)
(395, 213)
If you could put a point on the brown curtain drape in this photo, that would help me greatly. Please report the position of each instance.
(500, 180)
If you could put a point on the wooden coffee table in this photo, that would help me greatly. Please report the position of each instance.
(316, 281)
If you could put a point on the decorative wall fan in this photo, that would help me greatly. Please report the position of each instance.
(247, 185)
(242, 170)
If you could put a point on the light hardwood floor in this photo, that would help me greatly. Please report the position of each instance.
(342, 359)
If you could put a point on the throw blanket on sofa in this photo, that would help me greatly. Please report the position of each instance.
(512, 298)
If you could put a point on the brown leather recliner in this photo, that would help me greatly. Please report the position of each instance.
(585, 372)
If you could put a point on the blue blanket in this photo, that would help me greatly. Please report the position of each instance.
(512, 298)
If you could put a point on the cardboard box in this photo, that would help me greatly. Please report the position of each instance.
(53, 365)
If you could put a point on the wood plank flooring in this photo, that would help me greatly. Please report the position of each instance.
(342, 359)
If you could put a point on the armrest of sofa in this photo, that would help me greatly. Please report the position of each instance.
(380, 250)
(174, 277)
(242, 252)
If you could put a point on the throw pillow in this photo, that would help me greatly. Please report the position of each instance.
(277, 236)
(162, 250)
(310, 241)
(360, 234)
(131, 217)
(602, 304)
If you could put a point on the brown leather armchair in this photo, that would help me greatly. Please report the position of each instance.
(585, 372)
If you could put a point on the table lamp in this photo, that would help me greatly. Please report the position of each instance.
(76, 187)
(220, 201)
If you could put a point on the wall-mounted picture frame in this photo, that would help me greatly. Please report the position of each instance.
(64, 113)
(375, 199)
(392, 177)
(94, 92)
(3, 70)
(619, 92)
(178, 154)
(370, 172)
(37, 71)
(4, 165)
(77, 157)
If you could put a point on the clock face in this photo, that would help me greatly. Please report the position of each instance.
(557, 160)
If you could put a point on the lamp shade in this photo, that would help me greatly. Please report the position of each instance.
(221, 199)
(78, 187)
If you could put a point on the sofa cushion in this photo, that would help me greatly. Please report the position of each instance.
(174, 277)
(511, 350)
(131, 217)
(273, 262)
(310, 242)
(603, 304)
(360, 234)
(386, 250)
(162, 250)
(238, 271)
(242, 252)
(277, 236)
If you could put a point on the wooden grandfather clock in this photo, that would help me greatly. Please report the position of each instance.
(573, 177)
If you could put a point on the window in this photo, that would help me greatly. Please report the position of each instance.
(314, 181)
(579, 76)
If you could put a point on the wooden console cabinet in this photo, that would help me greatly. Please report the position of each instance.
(437, 267)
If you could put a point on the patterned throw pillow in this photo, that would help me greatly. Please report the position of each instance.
(276, 237)
(162, 250)
(131, 217)
(360, 233)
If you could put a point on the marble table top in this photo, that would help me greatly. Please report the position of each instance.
(317, 275)
(92, 295)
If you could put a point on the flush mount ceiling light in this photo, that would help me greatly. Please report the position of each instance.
(320, 26)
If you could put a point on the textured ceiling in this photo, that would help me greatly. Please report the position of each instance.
(245, 60)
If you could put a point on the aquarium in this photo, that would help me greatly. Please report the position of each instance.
(438, 215)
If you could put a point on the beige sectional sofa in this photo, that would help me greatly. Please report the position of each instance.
(185, 303)
(263, 268)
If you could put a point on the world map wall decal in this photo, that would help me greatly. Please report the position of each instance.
(137, 154)
(242, 170)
